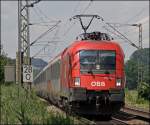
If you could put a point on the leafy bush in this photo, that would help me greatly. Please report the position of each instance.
(133, 100)
(144, 90)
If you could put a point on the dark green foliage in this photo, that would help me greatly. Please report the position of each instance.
(134, 100)
(4, 60)
(2, 63)
(142, 54)
(131, 68)
(144, 90)
(131, 74)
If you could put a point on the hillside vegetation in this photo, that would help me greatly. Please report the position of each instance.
(131, 70)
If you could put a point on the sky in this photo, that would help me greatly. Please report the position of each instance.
(45, 14)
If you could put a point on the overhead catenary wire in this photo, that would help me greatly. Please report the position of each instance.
(75, 9)
(131, 32)
(55, 35)
(38, 24)
(118, 25)
(125, 24)
(39, 12)
(37, 53)
(46, 45)
(41, 18)
(138, 14)
(112, 27)
(39, 44)
(114, 33)
(43, 34)
(128, 40)
(44, 15)
(85, 9)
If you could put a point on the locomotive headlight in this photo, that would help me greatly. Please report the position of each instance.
(118, 83)
(77, 82)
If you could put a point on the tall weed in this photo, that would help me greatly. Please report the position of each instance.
(19, 106)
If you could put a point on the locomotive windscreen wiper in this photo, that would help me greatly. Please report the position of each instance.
(107, 72)
(90, 71)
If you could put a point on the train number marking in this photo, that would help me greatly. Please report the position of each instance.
(27, 73)
(97, 83)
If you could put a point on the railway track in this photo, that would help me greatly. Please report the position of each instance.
(112, 121)
(82, 120)
(124, 117)
(133, 116)
(137, 112)
(127, 116)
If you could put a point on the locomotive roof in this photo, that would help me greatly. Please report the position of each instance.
(95, 44)
(89, 44)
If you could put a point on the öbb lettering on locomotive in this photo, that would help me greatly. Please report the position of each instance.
(97, 83)
(87, 77)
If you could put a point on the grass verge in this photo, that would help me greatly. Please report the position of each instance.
(21, 107)
(132, 99)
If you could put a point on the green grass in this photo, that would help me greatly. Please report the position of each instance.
(22, 107)
(132, 99)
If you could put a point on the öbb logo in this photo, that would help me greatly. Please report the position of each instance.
(97, 83)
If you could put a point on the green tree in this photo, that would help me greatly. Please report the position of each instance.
(4, 60)
(131, 74)
(131, 68)
(144, 90)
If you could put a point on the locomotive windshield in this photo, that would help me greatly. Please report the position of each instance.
(97, 61)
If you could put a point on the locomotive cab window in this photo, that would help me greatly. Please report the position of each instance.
(97, 61)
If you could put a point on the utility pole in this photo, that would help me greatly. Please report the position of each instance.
(23, 54)
(140, 72)
(140, 67)
(23, 57)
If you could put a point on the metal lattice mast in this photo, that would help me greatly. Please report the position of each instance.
(24, 33)
(140, 72)
(23, 37)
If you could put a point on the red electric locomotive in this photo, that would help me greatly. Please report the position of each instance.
(87, 77)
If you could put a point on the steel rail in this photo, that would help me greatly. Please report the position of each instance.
(137, 112)
(118, 121)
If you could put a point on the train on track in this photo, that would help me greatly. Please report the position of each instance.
(87, 77)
